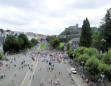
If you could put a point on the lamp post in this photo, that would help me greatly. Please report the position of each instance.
(82, 62)
(73, 58)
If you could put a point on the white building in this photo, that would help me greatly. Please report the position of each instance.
(31, 35)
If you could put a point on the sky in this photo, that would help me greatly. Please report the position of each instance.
(50, 17)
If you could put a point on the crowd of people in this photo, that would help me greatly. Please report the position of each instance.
(15, 65)
(20, 63)
(52, 58)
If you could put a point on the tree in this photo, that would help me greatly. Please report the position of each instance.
(1, 55)
(1, 30)
(92, 52)
(54, 42)
(34, 41)
(106, 69)
(68, 46)
(83, 54)
(96, 40)
(14, 44)
(107, 57)
(107, 30)
(85, 39)
(11, 44)
(24, 42)
(83, 58)
(21, 43)
(70, 53)
(91, 66)
(80, 51)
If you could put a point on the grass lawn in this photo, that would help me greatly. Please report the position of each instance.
(43, 46)
(61, 45)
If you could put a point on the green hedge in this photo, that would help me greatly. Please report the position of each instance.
(1, 55)
(92, 63)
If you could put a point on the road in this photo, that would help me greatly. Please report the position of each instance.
(43, 75)
(15, 71)
(17, 74)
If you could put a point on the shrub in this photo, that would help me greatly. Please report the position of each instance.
(106, 58)
(80, 51)
(1, 55)
(92, 52)
(70, 53)
(89, 52)
(91, 66)
(83, 58)
(11, 44)
(34, 41)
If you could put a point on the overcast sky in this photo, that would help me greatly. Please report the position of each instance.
(50, 16)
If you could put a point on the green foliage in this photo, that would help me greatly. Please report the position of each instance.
(8, 30)
(11, 44)
(102, 67)
(96, 40)
(107, 57)
(80, 51)
(91, 66)
(34, 42)
(61, 46)
(1, 55)
(70, 53)
(83, 54)
(106, 69)
(54, 42)
(88, 51)
(1, 30)
(92, 52)
(107, 30)
(42, 46)
(24, 41)
(21, 43)
(30, 44)
(85, 39)
(68, 34)
(14, 44)
(68, 46)
(83, 58)
(48, 38)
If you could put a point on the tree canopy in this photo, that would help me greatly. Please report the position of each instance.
(107, 30)
(85, 39)
(14, 43)
(54, 42)
(11, 44)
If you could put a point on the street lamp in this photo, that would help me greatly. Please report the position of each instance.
(82, 62)
(73, 58)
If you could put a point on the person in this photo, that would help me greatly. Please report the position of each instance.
(55, 76)
(59, 73)
(51, 80)
(72, 79)
(69, 74)
(15, 74)
(41, 83)
(40, 68)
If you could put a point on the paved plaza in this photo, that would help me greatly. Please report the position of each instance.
(33, 69)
